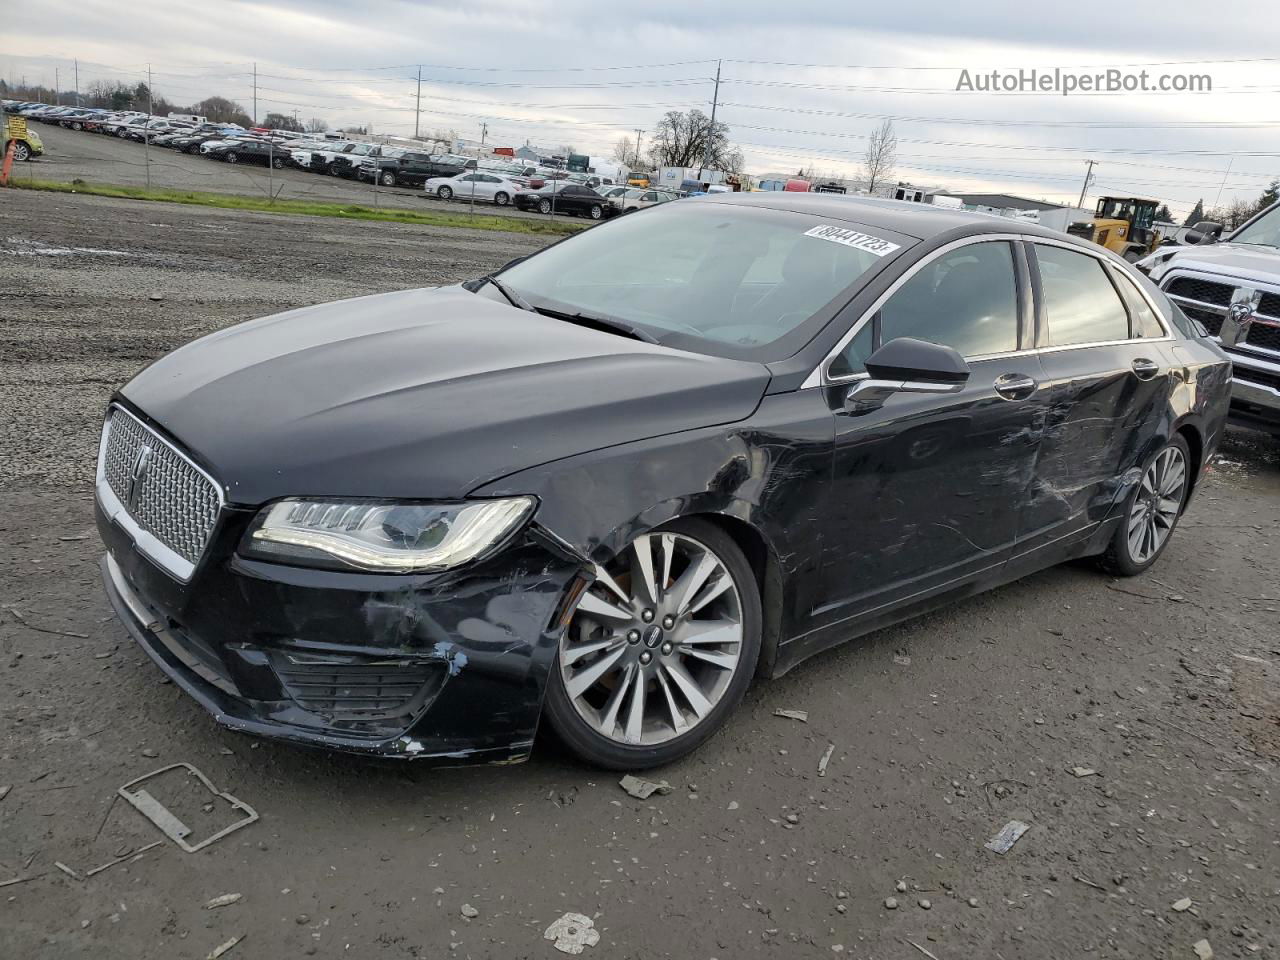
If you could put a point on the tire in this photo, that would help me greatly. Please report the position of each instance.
(445, 193)
(544, 206)
(501, 199)
(334, 170)
(703, 691)
(233, 158)
(21, 150)
(1151, 510)
(122, 135)
(596, 212)
(388, 179)
(277, 162)
(77, 126)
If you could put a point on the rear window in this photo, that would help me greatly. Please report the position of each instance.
(1081, 305)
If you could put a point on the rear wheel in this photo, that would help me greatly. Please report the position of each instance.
(596, 211)
(335, 170)
(445, 193)
(278, 162)
(660, 649)
(1151, 512)
(544, 206)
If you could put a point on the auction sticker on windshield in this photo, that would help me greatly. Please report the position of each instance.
(853, 238)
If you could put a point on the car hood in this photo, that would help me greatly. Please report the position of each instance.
(422, 394)
(1246, 261)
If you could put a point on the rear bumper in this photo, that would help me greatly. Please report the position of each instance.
(450, 669)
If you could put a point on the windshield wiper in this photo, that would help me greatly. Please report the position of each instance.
(512, 297)
(602, 323)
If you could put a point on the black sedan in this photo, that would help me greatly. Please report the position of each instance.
(614, 482)
(262, 152)
(560, 197)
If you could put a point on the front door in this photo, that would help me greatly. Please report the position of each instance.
(927, 490)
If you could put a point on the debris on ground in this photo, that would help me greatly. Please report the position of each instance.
(150, 753)
(1084, 771)
(801, 715)
(925, 904)
(891, 903)
(826, 758)
(922, 950)
(67, 870)
(733, 804)
(1181, 906)
(9, 883)
(1089, 883)
(643, 789)
(572, 933)
(135, 854)
(1203, 950)
(223, 901)
(901, 886)
(4, 791)
(222, 948)
(171, 826)
(1009, 834)
(468, 911)
(902, 660)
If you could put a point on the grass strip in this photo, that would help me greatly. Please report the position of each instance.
(342, 211)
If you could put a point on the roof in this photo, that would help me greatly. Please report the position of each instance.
(1002, 200)
(919, 220)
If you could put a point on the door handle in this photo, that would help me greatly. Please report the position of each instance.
(1015, 386)
(1145, 369)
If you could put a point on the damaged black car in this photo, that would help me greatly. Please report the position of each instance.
(614, 482)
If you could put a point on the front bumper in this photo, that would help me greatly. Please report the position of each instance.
(449, 667)
(1255, 391)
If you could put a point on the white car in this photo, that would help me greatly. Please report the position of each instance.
(637, 198)
(478, 185)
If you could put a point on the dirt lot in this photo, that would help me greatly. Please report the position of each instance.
(945, 729)
(101, 159)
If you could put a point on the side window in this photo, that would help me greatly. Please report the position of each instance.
(966, 300)
(1081, 305)
(1145, 322)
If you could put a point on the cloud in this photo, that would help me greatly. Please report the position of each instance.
(801, 86)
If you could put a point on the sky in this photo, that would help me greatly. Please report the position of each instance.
(801, 85)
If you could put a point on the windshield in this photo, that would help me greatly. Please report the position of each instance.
(726, 279)
(1265, 230)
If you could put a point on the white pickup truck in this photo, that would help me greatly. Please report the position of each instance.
(1231, 287)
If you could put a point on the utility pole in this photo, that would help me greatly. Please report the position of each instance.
(417, 110)
(1218, 198)
(715, 99)
(255, 92)
(146, 130)
(638, 147)
(57, 96)
(77, 63)
(1088, 175)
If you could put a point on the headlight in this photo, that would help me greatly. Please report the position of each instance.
(383, 537)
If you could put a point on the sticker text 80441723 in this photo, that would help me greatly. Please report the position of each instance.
(853, 238)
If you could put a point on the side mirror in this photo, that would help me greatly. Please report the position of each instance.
(907, 365)
(1207, 231)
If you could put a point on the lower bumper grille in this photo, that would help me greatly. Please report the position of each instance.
(357, 689)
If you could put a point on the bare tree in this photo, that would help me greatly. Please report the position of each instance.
(881, 156)
(682, 139)
(624, 151)
(316, 125)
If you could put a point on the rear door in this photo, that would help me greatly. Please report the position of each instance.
(927, 491)
(1108, 378)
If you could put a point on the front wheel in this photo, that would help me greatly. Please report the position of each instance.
(501, 199)
(388, 179)
(660, 649)
(544, 206)
(278, 163)
(233, 158)
(445, 193)
(1151, 512)
(21, 151)
(335, 170)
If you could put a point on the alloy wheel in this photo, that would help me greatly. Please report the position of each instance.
(655, 641)
(1155, 508)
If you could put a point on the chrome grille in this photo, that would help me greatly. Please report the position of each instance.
(1209, 301)
(1205, 291)
(163, 492)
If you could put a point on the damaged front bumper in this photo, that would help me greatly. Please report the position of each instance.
(447, 667)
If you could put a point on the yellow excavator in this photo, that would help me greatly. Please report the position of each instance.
(1124, 225)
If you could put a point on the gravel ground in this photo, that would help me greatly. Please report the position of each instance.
(101, 159)
(944, 729)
